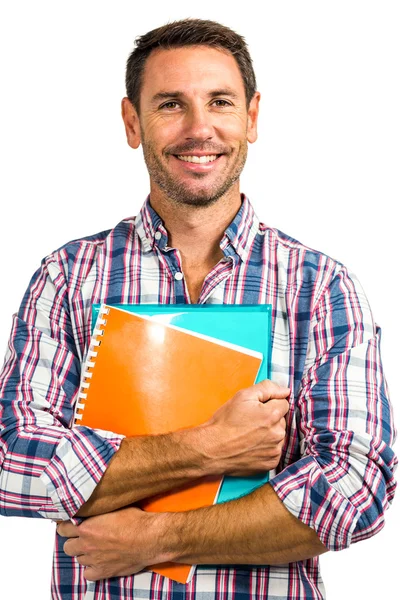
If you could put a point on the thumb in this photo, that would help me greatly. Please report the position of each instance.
(268, 390)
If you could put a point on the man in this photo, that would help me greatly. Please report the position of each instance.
(323, 422)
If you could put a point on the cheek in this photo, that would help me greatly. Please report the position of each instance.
(232, 130)
(163, 134)
(162, 126)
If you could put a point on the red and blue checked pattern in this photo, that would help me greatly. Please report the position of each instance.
(336, 473)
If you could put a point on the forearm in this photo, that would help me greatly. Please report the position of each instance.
(254, 529)
(242, 438)
(145, 466)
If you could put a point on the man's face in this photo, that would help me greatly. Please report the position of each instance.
(194, 123)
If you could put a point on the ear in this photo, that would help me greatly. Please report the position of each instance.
(131, 121)
(252, 117)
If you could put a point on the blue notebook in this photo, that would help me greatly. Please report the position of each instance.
(241, 324)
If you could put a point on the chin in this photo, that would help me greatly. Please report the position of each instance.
(199, 198)
(199, 201)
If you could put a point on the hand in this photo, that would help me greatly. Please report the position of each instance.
(245, 435)
(115, 544)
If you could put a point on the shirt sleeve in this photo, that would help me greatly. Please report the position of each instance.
(47, 469)
(343, 481)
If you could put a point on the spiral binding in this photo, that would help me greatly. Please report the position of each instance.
(89, 364)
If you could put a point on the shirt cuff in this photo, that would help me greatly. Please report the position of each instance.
(307, 494)
(79, 462)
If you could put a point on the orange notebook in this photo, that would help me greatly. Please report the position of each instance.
(143, 377)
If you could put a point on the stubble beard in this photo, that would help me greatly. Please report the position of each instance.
(181, 193)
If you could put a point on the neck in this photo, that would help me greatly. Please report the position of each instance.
(197, 231)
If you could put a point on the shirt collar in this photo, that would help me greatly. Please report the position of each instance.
(236, 241)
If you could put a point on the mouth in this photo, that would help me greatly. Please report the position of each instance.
(200, 160)
(195, 163)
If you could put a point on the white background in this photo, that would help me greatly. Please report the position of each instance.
(325, 170)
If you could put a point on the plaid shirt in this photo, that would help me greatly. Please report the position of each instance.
(336, 472)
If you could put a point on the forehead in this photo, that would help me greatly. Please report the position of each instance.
(191, 69)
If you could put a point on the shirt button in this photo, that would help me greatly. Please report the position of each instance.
(158, 235)
(178, 276)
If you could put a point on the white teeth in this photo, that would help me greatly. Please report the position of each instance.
(198, 159)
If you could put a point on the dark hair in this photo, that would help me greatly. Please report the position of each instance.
(187, 32)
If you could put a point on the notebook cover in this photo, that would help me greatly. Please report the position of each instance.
(248, 325)
(150, 370)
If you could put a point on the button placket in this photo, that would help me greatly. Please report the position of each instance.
(220, 274)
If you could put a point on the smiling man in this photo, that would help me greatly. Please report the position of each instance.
(194, 132)
(322, 425)
(193, 118)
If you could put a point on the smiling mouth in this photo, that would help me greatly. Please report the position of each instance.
(198, 159)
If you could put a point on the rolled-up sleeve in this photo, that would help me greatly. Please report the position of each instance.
(344, 479)
(47, 469)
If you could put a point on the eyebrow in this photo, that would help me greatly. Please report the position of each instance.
(177, 94)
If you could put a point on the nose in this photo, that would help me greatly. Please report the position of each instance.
(199, 124)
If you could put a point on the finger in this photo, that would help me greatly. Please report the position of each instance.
(84, 560)
(267, 389)
(280, 429)
(67, 529)
(73, 547)
(92, 574)
(276, 409)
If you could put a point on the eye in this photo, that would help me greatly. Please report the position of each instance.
(221, 103)
(170, 105)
